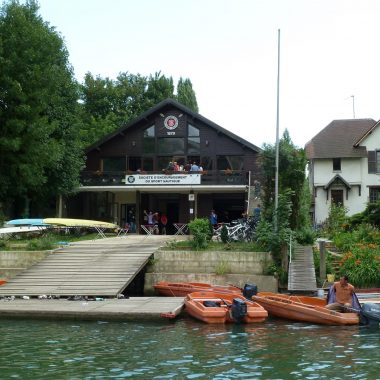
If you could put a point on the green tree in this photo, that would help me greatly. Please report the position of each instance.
(186, 94)
(108, 104)
(292, 164)
(159, 88)
(39, 152)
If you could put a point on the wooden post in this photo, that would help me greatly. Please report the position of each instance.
(322, 260)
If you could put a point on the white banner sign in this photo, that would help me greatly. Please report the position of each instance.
(163, 179)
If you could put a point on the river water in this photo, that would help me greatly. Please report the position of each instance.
(186, 349)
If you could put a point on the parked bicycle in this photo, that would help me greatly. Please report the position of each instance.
(239, 230)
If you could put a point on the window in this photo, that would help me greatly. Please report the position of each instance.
(148, 140)
(193, 141)
(193, 132)
(134, 163)
(374, 194)
(230, 162)
(373, 161)
(193, 145)
(171, 145)
(147, 164)
(206, 163)
(114, 164)
(336, 165)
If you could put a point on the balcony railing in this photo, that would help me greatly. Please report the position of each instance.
(209, 177)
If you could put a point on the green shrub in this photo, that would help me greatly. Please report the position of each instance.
(337, 220)
(224, 235)
(305, 236)
(42, 244)
(362, 265)
(200, 230)
(3, 244)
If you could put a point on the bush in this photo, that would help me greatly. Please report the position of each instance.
(200, 229)
(362, 265)
(337, 220)
(224, 235)
(305, 236)
(41, 244)
(3, 244)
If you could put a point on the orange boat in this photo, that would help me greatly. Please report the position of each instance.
(303, 309)
(181, 289)
(214, 307)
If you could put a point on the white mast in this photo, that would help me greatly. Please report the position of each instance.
(277, 136)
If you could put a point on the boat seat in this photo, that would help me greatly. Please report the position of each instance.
(208, 303)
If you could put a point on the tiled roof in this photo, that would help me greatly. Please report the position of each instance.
(337, 140)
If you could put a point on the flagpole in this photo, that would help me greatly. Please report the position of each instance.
(277, 136)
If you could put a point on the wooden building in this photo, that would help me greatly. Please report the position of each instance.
(128, 171)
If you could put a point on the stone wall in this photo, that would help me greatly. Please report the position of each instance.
(14, 262)
(219, 268)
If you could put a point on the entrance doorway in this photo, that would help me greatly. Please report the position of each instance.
(128, 215)
(337, 197)
(172, 214)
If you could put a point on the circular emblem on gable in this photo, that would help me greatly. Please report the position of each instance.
(131, 179)
(171, 122)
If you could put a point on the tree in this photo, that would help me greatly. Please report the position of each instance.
(186, 94)
(108, 104)
(292, 164)
(40, 155)
(292, 211)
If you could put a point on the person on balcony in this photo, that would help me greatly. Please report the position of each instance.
(194, 167)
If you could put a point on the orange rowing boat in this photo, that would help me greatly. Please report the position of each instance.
(214, 307)
(303, 309)
(181, 289)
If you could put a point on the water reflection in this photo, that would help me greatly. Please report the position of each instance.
(186, 349)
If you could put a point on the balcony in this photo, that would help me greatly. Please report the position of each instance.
(162, 178)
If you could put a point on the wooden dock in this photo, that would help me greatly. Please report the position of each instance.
(301, 275)
(135, 308)
(102, 267)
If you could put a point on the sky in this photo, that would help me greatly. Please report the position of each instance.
(329, 56)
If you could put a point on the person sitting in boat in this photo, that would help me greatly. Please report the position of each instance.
(341, 295)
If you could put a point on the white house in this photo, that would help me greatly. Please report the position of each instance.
(344, 166)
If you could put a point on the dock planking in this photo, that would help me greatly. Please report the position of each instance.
(109, 309)
(103, 267)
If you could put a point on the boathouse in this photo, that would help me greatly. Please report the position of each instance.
(151, 164)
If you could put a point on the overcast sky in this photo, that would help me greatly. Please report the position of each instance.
(228, 49)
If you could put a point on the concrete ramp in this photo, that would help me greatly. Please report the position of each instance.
(103, 267)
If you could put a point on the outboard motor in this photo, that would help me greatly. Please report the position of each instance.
(370, 314)
(238, 310)
(249, 290)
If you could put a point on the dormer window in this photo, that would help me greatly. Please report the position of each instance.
(336, 165)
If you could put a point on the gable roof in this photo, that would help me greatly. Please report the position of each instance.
(357, 143)
(337, 179)
(340, 139)
(181, 107)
